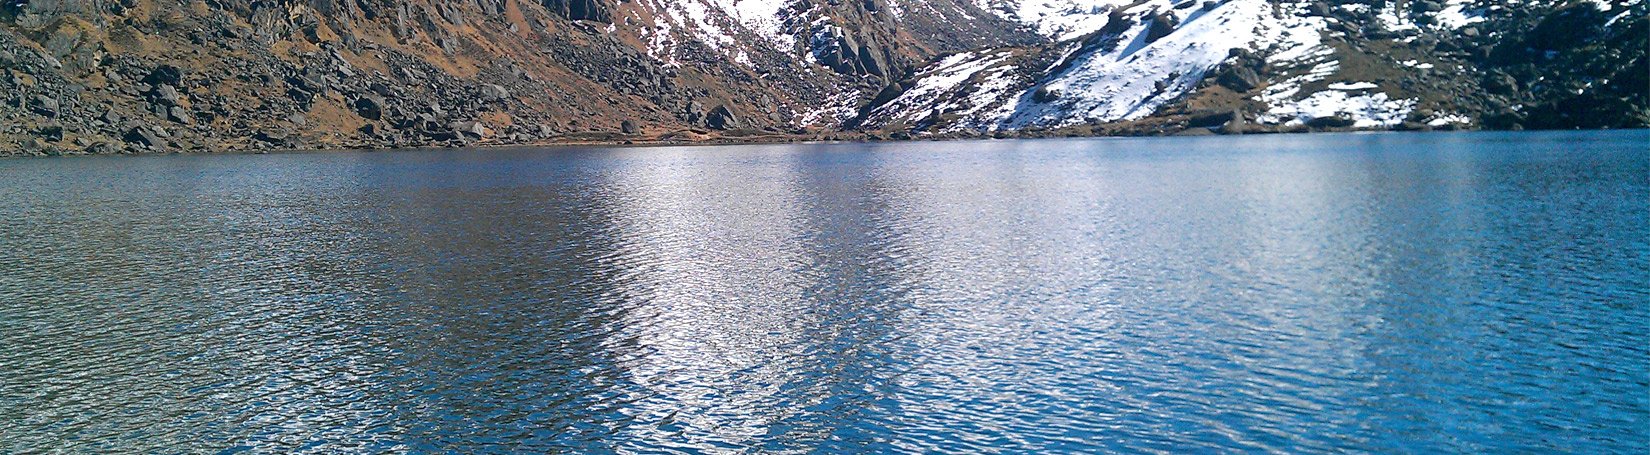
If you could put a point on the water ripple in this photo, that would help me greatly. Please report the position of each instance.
(1317, 294)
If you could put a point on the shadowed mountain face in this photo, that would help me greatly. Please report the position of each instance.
(131, 76)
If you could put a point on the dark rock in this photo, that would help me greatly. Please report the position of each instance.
(1500, 83)
(1239, 78)
(438, 135)
(580, 10)
(177, 114)
(166, 95)
(628, 127)
(1162, 25)
(869, 60)
(52, 131)
(271, 136)
(300, 95)
(1045, 94)
(720, 117)
(111, 117)
(475, 130)
(45, 105)
(1333, 121)
(1211, 118)
(887, 94)
(164, 74)
(370, 106)
(1411, 126)
(138, 133)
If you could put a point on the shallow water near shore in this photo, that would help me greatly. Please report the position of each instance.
(1335, 293)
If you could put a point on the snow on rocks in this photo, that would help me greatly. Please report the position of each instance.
(1352, 86)
(1058, 19)
(1457, 14)
(722, 25)
(1369, 110)
(1140, 75)
(937, 87)
(1449, 119)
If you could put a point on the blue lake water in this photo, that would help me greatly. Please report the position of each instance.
(1334, 293)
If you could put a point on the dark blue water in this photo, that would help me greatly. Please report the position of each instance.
(1415, 293)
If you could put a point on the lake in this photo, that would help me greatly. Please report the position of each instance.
(1325, 293)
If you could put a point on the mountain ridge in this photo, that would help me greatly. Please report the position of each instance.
(144, 76)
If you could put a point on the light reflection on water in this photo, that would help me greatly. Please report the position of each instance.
(1324, 293)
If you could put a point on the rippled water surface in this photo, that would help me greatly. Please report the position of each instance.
(1416, 293)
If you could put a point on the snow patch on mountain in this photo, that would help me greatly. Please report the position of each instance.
(1458, 13)
(1367, 110)
(836, 110)
(721, 25)
(1133, 80)
(761, 17)
(1058, 19)
(936, 88)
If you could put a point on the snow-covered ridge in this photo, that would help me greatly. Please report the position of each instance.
(1135, 79)
(1129, 77)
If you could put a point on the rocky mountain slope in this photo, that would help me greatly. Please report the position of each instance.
(137, 76)
(1235, 66)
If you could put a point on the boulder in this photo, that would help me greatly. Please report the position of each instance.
(33, 146)
(370, 106)
(720, 117)
(164, 74)
(1333, 121)
(1205, 119)
(580, 10)
(271, 136)
(52, 131)
(494, 93)
(164, 94)
(1162, 25)
(138, 133)
(45, 105)
(1500, 83)
(475, 130)
(628, 127)
(1044, 94)
(1239, 78)
(177, 114)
